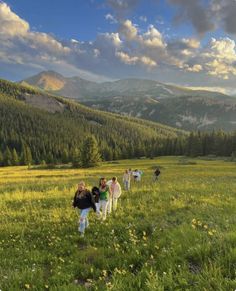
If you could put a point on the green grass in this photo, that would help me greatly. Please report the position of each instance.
(176, 234)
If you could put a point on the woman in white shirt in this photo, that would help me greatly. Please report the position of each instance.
(115, 189)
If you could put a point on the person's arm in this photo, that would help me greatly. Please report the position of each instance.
(119, 189)
(74, 200)
(109, 191)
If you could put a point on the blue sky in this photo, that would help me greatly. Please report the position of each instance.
(185, 42)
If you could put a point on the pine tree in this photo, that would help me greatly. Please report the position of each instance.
(76, 158)
(7, 157)
(1, 158)
(15, 158)
(90, 155)
(64, 156)
(26, 158)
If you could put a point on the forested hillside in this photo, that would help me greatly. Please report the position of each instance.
(53, 129)
(36, 127)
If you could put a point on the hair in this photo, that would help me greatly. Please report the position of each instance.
(82, 183)
(100, 181)
(114, 179)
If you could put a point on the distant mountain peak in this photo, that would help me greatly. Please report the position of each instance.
(47, 80)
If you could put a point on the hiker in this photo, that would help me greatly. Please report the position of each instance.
(105, 194)
(137, 175)
(156, 174)
(115, 194)
(83, 201)
(130, 172)
(126, 180)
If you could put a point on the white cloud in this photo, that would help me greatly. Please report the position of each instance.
(132, 60)
(153, 38)
(96, 53)
(195, 68)
(145, 60)
(143, 18)
(126, 59)
(220, 58)
(74, 41)
(128, 30)
(11, 24)
(111, 18)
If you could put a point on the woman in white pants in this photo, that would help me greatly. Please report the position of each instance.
(104, 196)
(115, 194)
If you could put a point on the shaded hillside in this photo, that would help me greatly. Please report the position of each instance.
(189, 113)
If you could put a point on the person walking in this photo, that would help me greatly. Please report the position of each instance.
(156, 174)
(115, 194)
(136, 175)
(105, 194)
(126, 180)
(83, 202)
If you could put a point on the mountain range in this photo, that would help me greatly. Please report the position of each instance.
(175, 106)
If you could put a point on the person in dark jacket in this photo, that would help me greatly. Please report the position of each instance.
(83, 201)
(96, 196)
(156, 174)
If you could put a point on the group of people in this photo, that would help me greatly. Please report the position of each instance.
(104, 198)
(131, 175)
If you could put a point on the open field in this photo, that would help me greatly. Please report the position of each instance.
(176, 234)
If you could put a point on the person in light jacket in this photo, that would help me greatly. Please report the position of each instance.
(126, 180)
(115, 194)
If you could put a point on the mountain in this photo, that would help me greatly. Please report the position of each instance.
(54, 128)
(189, 113)
(147, 99)
(78, 88)
(55, 83)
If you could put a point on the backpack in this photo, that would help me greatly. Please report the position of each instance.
(96, 194)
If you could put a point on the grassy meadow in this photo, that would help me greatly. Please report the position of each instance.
(176, 234)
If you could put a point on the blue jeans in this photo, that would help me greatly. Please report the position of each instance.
(127, 185)
(83, 219)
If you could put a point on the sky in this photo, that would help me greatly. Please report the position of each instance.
(184, 42)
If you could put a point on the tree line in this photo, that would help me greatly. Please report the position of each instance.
(89, 154)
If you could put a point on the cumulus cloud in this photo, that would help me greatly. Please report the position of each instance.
(126, 59)
(11, 24)
(128, 30)
(220, 58)
(153, 38)
(195, 68)
(132, 60)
